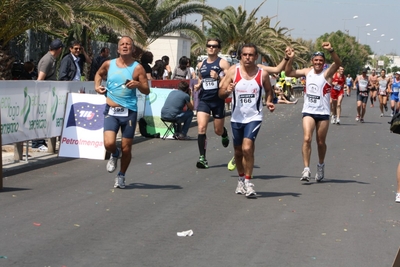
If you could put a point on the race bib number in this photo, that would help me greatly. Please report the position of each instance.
(210, 84)
(246, 99)
(337, 87)
(363, 93)
(395, 89)
(314, 100)
(118, 112)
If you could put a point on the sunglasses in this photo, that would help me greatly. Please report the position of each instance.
(77, 49)
(318, 53)
(212, 46)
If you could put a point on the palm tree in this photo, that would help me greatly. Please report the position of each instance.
(235, 28)
(17, 16)
(168, 16)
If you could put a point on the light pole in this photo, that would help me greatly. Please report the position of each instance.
(344, 23)
(358, 31)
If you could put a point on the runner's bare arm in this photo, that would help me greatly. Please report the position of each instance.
(281, 66)
(139, 80)
(227, 85)
(268, 91)
(101, 75)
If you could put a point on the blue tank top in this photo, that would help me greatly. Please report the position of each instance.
(116, 89)
(395, 87)
(209, 85)
(348, 81)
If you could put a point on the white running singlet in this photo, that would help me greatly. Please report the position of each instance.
(317, 94)
(246, 98)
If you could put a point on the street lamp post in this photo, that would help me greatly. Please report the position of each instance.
(344, 22)
(358, 31)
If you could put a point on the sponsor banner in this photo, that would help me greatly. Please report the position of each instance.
(152, 111)
(35, 109)
(31, 109)
(82, 135)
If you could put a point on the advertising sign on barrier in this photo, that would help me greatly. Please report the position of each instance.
(82, 135)
(31, 110)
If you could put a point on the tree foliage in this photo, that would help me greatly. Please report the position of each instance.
(353, 55)
(235, 27)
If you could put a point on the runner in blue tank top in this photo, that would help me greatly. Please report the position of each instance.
(123, 76)
(394, 88)
(211, 72)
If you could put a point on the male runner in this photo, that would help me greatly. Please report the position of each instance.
(211, 71)
(271, 70)
(383, 82)
(373, 86)
(316, 107)
(124, 75)
(394, 88)
(362, 94)
(349, 84)
(337, 95)
(246, 82)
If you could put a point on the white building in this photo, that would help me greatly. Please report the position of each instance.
(173, 45)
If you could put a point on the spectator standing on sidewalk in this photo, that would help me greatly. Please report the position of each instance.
(98, 61)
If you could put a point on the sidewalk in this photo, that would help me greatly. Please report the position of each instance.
(34, 154)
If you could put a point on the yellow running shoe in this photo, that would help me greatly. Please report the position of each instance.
(232, 164)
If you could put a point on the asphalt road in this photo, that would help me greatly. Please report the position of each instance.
(65, 212)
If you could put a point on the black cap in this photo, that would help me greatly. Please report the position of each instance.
(56, 44)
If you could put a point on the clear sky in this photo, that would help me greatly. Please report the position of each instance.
(310, 19)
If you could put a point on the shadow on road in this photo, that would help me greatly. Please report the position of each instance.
(12, 189)
(152, 186)
(277, 194)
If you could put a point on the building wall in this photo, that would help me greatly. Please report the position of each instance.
(173, 46)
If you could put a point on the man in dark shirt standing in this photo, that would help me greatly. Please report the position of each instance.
(98, 61)
(71, 67)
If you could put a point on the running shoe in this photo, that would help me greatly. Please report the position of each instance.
(320, 173)
(357, 118)
(398, 197)
(362, 120)
(381, 114)
(119, 181)
(202, 163)
(232, 164)
(386, 108)
(333, 120)
(249, 188)
(305, 176)
(337, 121)
(112, 162)
(240, 189)
(225, 141)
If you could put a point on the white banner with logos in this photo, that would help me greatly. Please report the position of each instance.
(82, 135)
(35, 109)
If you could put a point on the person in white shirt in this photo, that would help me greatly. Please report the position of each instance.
(316, 108)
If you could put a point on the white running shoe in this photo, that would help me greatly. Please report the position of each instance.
(398, 197)
(333, 120)
(240, 189)
(112, 162)
(250, 192)
(305, 176)
(320, 173)
(381, 114)
(119, 181)
(337, 121)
